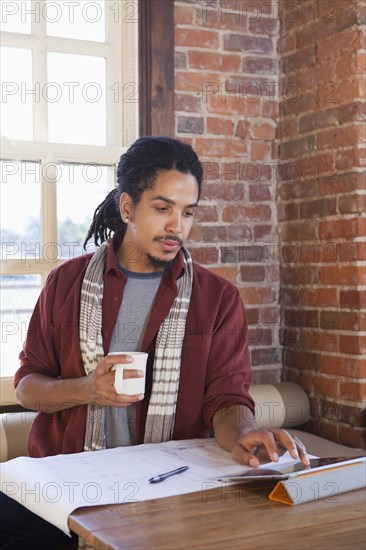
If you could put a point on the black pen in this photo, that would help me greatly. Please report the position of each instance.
(161, 477)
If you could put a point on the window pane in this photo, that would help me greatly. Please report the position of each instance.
(19, 294)
(16, 16)
(20, 195)
(76, 97)
(80, 189)
(79, 20)
(17, 93)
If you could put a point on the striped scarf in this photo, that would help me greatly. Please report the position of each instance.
(166, 370)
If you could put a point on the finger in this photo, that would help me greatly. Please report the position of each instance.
(121, 358)
(260, 444)
(302, 451)
(122, 400)
(284, 439)
(133, 373)
(242, 456)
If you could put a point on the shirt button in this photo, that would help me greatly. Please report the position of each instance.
(115, 299)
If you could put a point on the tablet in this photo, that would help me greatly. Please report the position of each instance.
(286, 470)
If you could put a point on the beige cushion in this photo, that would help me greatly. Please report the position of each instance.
(14, 429)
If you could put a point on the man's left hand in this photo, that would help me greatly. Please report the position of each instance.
(257, 447)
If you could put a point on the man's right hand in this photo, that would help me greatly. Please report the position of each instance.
(100, 383)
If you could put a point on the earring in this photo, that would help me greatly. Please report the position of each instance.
(127, 219)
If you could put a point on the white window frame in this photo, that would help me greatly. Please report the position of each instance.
(121, 105)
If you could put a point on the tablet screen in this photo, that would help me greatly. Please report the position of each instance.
(284, 471)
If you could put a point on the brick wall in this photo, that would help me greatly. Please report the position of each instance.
(321, 210)
(287, 229)
(226, 69)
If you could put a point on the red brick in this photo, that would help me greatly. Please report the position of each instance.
(348, 41)
(228, 273)
(270, 108)
(340, 137)
(204, 60)
(297, 101)
(260, 65)
(263, 25)
(258, 295)
(220, 147)
(287, 128)
(266, 232)
(265, 356)
(347, 228)
(260, 151)
(259, 193)
(299, 60)
(188, 103)
(301, 359)
(226, 104)
(350, 65)
(213, 234)
(320, 385)
(220, 126)
(200, 256)
(298, 231)
(196, 37)
(301, 317)
(288, 211)
(239, 233)
(355, 111)
(321, 297)
(318, 208)
(355, 345)
(342, 275)
(314, 33)
(299, 275)
(289, 296)
(352, 251)
(252, 315)
(242, 129)
(297, 147)
(206, 214)
(338, 365)
(270, 315)
(264, 130)
(353, 391)
(352, 437)
(286, 43)
(216, 17)
(350, 204)
(223, 192)
(252, 273)
(341, 183)
(322, 119)
(196, 82)
(353, 299)
(240, 213)
(343, 320)
(248, 44)
(184, 15)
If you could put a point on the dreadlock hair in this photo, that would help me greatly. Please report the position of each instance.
(137, 171)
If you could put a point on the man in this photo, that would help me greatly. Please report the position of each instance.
(141, 292)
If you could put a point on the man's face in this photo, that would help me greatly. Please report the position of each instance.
(160, 223)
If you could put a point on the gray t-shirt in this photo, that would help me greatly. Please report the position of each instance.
(133, 315)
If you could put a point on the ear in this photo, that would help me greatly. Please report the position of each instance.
(125, 207)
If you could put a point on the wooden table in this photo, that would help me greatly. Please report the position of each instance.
(236, 517)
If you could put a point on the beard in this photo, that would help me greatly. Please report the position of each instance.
(158, 263)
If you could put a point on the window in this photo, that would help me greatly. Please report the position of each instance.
(69, 108)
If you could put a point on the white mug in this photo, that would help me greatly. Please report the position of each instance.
(130, 386)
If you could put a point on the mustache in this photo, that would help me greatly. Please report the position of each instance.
(170, 238)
